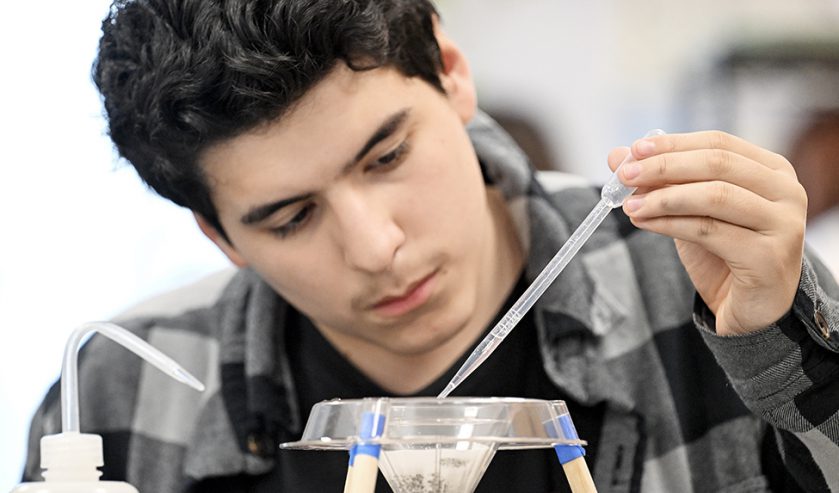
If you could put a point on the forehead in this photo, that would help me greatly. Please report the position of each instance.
(322, 130)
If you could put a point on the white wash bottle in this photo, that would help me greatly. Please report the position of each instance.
(71, 459)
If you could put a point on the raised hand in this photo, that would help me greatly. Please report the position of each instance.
(736, 212)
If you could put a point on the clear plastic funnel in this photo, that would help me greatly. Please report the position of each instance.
(432, 445)
(436, 468)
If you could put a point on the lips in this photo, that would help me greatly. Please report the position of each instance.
(415, 296)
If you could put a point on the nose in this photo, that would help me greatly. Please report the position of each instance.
(366, 231)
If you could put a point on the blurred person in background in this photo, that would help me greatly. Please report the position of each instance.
(381, 224)
(815, 156)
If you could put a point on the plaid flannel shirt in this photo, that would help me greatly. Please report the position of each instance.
(686, 410)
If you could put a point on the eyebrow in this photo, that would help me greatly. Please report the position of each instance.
(386, 129)
(261, 212)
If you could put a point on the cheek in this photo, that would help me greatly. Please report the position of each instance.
(448, 196)
(302, 275)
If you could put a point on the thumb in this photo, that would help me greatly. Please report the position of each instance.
(616, 156)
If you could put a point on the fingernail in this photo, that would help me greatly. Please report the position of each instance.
(632, 204)
(631, 170)
(645, 146)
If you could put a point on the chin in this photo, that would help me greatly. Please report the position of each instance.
(423, 338)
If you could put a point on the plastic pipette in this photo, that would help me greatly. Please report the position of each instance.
(611, 196)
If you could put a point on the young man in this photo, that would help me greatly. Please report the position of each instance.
(381, 224)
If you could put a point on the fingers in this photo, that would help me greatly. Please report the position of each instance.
(709, 164)
(712, 140)
(724, 240)
(737, 212)
(744, 251)
(716, 199)
(674, 159)
(713, 189)
(617, 156)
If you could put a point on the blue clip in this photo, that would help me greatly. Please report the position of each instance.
(567, 453)
(372, 426)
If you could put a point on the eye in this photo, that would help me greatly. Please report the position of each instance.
(391, 159)
(295, 223)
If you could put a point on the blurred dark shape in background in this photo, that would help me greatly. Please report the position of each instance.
(815, 155)
(528, 136)
(782, 94)
(765, 91)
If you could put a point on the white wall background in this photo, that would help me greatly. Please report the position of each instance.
(596, 75)
(81, 238)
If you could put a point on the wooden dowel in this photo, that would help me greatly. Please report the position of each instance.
(364, 457)
(365, 470)
(579, 477)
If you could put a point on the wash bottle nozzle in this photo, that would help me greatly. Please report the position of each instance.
(71, 459)
(69, 367)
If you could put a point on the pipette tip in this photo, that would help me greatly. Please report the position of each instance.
(184, 376)
(448, 390)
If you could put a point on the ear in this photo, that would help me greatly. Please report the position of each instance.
(216, 237)
(456, 76)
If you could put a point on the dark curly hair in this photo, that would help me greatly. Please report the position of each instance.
(178, 76)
